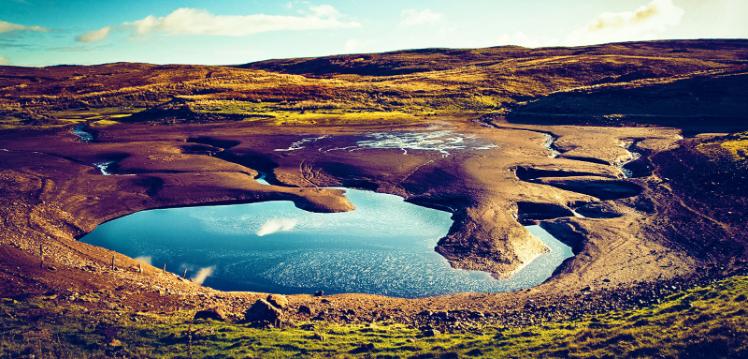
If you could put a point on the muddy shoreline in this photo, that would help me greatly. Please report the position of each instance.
(53, 201)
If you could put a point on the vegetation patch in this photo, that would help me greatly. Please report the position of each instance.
(707, 320)
(737, 146)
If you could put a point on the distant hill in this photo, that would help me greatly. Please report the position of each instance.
(436, 59)
(403, 85)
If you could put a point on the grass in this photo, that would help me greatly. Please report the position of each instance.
(103, 113)
(97, 117)
(346, 110)
(340, 118)
(737, 146)
(104, 123)
(708, 320)
(732, 147)
(417, 83)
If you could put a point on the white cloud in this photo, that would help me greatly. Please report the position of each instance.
(4, 60)
(201, 22)
(276, 225)
(203, 274)
(9, 26)
(643, 23)
(328, 11)
(95, 35)
(413, 17)
(144, 259)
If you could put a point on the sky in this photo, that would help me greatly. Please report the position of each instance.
(44, 32)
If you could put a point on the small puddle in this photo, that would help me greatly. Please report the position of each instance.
(442, 141)
(550, 145)
(103, 167)
(385, 246)
(262, 179)
(81, 130)
(629, 145)
(300, 144)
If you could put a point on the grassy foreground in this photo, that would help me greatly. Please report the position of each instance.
(708, 321)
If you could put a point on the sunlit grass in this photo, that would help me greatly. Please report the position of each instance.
(707, 319)
(738, 147)
(733, 147)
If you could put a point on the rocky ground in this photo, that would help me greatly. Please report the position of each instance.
(55, 195)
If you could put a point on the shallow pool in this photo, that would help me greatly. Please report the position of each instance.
(385, 246)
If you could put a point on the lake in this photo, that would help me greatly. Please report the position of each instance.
(385, 246)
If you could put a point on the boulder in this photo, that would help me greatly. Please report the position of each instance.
(279, 301)
(305, 309)
(262, 312)
(210, 314)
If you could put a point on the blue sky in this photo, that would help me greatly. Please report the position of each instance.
(43, 32)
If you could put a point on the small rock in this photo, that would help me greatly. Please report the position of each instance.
(429, 332)
(364, 348)
(304, 309)
(476, 315)
(278, 300)
(475, 353)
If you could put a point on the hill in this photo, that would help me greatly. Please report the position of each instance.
(397, 85)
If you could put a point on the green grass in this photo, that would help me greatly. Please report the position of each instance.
(732, 147)
(95, 113)
(737, 145)
(710, 319)
(351, 110)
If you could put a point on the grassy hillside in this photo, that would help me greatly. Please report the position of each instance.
(702, 103)
(402, 85)
(425, 60)
(706, 321)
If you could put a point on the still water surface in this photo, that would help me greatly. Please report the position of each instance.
(385, 246)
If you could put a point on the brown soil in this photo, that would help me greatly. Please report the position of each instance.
(53, 195)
